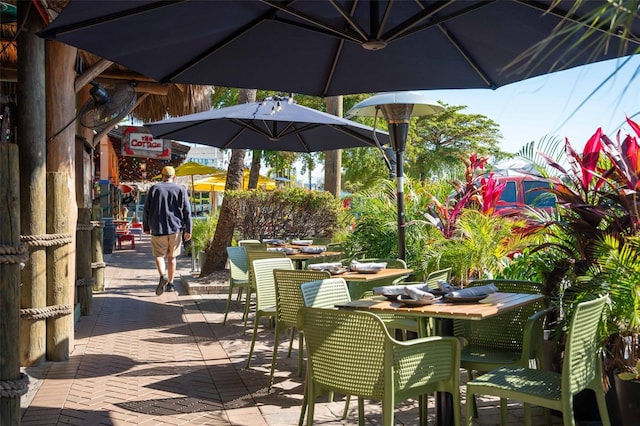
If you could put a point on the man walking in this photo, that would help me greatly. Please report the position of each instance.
(166, 216)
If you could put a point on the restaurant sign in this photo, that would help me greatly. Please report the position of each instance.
(138, 142)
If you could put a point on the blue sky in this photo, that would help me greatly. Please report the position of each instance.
(541, 106)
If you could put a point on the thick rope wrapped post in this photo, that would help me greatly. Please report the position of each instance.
(81, 282)
(36, 314)
(11, 254)
(14, 388)
(46, 240)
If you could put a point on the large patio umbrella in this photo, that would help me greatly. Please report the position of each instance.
(275, 124)
(327, 48)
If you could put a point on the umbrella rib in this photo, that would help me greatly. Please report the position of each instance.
(404, 27)
(249, 125)
(109, 18)
(467, 57)
(233, 139)
(317, 25)
(211, 50)
(436, 20)
(349, 131)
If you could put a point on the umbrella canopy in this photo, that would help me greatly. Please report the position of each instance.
(217, 183)
(327, 48)
(192, 168)
(275, 124)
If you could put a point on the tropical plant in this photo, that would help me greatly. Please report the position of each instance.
(597, 233)
(202, 232)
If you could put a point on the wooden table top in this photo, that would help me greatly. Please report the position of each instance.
(307, 256)
(383, 273)
(492, 305)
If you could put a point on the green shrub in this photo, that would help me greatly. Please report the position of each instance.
(286, 213)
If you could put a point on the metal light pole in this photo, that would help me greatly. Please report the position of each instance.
(397, 109)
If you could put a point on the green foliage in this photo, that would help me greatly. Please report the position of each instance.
(376, 226)
(202, 231)
(442, 139)
(286, 213)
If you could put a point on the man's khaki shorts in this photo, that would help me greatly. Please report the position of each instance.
(166, 245)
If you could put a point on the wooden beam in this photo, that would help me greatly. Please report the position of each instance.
(90, 74)
(142, 87)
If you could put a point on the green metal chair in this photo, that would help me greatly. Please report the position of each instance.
(251, 256)
(581, 369)
(512, 339)
(262, 270)
(442, 274)
(351, 352)
(238, 276)
(288, 302)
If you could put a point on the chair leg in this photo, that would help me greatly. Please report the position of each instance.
(470, 407)
(503, 411)
(226, 310)
(247, 304)
(253, 338)
(300, 352)
(274, 358)
(292, 331)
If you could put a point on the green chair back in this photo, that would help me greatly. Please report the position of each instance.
(505, 332)
(325, 293)
(254, 245)
(351, 352)
(238, 264)
(265, 284)
(238, 275)
(442, 274)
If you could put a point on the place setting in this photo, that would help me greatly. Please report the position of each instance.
(421, 294)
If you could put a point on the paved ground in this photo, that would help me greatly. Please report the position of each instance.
(142, 359)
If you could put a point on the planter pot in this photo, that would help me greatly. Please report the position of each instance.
(202, 257)
(585, 407)
(628, 392)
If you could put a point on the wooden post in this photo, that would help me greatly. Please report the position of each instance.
(58, 327)
(97, 252)
(10, 253)
(60, 61)
(33, 184)
(333, 159)
(84, 278)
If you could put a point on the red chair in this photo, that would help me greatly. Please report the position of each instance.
(136, 229)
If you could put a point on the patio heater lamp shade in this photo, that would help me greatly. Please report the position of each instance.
(397, 109)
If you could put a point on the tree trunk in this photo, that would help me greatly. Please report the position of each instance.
(216, 249)
(333, 159)
(254, 173)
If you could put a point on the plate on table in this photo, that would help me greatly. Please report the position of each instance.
(301, 242)
(412, 302)
(290, 250)
(313, 250)
(468, 299)
(438, 292)
(274, 242)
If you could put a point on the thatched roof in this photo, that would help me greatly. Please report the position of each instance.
(162, 100)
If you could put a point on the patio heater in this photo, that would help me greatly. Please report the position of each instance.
(397, 109)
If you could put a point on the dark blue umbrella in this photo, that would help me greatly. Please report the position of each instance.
(327, 48)
(275, 124)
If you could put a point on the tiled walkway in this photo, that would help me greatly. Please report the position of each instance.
(142, 359)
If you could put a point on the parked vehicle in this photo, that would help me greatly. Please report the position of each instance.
(522, 192)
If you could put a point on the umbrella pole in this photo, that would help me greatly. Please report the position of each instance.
(193, 255)
(400, 203)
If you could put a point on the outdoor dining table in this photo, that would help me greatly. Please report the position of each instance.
(444, 313)
(301, 257)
